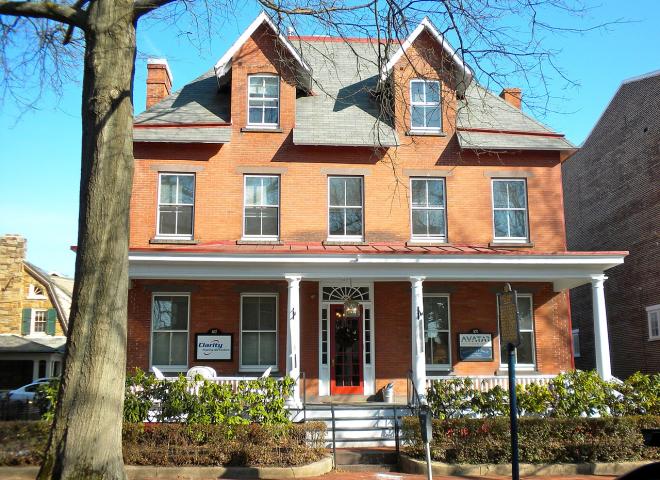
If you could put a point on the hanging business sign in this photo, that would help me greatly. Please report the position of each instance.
(475, 346)
(213, 346)
(507, 303)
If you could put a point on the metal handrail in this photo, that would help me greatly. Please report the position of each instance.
(414, 400)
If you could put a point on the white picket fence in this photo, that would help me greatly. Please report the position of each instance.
(484, 383)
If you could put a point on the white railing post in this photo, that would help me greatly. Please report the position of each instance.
(417, 321)
(293, 337)
(602, 343)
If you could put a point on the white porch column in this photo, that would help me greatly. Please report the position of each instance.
(602, 343)
(418, 356)
(293, 337)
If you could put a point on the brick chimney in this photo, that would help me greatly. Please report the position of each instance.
(159, 80)
(12, 254)
(512, 96)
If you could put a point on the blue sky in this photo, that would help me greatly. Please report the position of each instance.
(40, 154)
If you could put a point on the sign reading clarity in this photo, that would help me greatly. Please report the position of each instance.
(213, 347)
(475, 346)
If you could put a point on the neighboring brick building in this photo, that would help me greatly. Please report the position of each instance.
(346, 222)
(612, 201)
(34, 310)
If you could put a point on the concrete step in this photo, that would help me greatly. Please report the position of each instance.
(366, 456)
(368, 468)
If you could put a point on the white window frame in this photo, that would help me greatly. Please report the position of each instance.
(575, 335)
(431, 367)
(169, 368)
(32, 292)
(346, 238)
(425, 129)
(260, 368)
(504, 361)
(650, 311)
(33, 321)
(429, 238)
(524, 239)
(263, 109)
(245, 206)
(192, 227)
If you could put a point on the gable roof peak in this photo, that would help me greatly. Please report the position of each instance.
(464, 75)
(224, 64)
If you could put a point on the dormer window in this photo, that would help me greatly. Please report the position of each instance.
(425, 106)
(264, 101)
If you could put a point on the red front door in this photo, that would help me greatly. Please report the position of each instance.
(345, 353)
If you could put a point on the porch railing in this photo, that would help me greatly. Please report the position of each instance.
(484, 383)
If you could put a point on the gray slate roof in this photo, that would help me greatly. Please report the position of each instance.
(342, 110)
(20, 344)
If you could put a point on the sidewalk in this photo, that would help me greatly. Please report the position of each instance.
(339, 475)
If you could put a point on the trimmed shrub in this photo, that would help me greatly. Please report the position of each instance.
(171, 444)
(541, 440)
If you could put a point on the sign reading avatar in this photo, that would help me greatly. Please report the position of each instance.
(475, 346)
(213, 346)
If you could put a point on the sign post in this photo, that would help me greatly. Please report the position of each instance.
(426, 427)
(510, 335)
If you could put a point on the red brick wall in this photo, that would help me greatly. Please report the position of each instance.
(216, 304)
(303, 205)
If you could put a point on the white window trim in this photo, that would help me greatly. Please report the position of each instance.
(576, 331)
(174, 235)
(346, 238)
(33, 318)
(414, 129)
(264, 124)
(169, 368)
(429, 238)
(504, 365)
(32, 295)
(279, 186)
(260, 368)
(650, 310)
(524, 239)
(431, 367)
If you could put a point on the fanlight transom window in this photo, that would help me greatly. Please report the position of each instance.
(342, 294)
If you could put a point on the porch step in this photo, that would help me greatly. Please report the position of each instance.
(386, 467)
(366, 456)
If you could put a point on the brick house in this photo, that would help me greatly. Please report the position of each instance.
(612, 199)
(346, 219)
(34, 310)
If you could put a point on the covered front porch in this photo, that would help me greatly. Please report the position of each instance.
(412, 308)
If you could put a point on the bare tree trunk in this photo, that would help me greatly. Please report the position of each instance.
(85, 441)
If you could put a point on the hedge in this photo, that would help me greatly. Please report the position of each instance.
(178, 444)
(541, 440)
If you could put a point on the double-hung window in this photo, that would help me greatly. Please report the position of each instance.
(264, 101)
(169, 331)
(653, 316)
(510, 210)
(425, 114)
(525, 353)
(345, 208)
(262, 206)
(258, 331)
(436, 332)
(176, 203)
(428, 209)
(39, 321)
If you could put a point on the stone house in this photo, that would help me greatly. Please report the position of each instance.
(305, 209)
(34, 311)
(612, 202)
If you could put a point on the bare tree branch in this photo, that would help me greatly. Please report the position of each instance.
(142, 7)
(52, 11)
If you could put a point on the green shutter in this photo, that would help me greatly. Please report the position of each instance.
(50, 324)
(27, 320)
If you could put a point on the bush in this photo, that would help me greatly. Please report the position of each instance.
(22, 443)
(568, 395)
(549, 440)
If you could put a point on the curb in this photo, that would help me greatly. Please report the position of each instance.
(411, 465)
(138, 472)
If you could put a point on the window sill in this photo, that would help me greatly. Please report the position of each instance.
(256, 129)
(654, 339)
(496, 243)
(337, 242)
(258, 371)
(256, 241)
(173, 241)
(504, 370)
(427, 243)
(426, 133)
